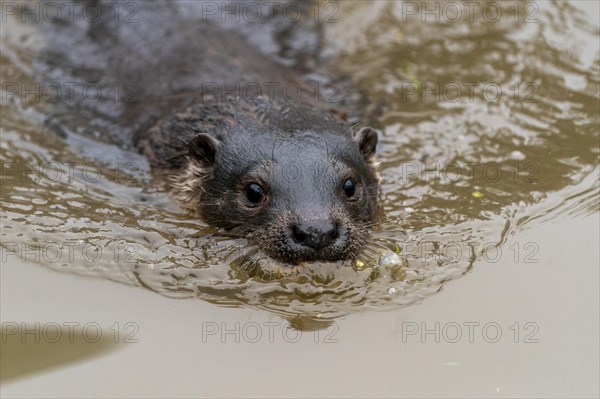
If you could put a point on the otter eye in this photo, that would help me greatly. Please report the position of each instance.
(349, 187)
(255, 193)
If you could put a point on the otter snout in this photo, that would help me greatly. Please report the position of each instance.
(315, 234)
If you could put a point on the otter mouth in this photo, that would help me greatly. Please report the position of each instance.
(299, 257)
(297, 253)
(284, 248)
(312, 255)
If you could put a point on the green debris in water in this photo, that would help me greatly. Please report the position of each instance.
(477, 194)
(412, 77)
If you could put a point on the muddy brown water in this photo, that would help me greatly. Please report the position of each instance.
(489, 127)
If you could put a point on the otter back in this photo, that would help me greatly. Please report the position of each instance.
(161, 62)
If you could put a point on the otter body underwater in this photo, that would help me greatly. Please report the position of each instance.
(282, 172)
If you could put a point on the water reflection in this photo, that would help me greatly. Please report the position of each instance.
(29, 348)
(489, 127)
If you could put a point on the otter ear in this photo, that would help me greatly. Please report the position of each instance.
(203, 149)
(366, 138)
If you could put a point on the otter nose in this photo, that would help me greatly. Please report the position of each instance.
(316, 234)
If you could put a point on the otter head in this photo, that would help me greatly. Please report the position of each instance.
(300, 196)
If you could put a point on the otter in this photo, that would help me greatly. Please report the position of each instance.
(290, 178)
(285, 173)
